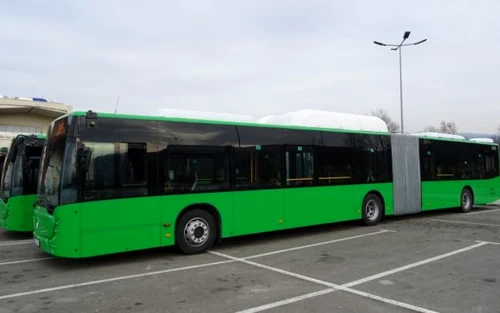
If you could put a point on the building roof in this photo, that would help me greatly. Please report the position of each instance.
(35, 106)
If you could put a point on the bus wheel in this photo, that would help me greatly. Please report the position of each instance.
(466, 200)
(195, 232)
(372, 209)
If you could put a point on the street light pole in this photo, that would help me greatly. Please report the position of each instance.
(401, 91)
(399, 47)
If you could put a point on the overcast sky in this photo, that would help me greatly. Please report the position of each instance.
(258, 57)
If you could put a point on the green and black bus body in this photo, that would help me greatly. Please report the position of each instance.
(113, 183)
(18, 184)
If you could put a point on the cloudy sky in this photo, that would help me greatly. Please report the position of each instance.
(258, 57)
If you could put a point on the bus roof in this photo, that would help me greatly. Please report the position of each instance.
(452, 137)
(326, 119)
(303, 119)
(482, 140)
(6, 138)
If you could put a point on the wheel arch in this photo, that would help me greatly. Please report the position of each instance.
(469, 187)
(380, 196)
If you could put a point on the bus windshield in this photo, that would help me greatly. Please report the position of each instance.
(58, 171)
(6, 178)
(21, 167)
(50, 176)
(8, 171)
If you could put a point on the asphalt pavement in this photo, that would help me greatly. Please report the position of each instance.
(431, 262)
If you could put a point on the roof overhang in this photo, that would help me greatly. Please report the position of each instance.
(48, 109)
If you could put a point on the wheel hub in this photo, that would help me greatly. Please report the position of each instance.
(372, 210)
(196, 231)
(465, 200)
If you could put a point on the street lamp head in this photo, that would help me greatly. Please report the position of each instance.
(406, 35)
(421, 41)
(379, 43)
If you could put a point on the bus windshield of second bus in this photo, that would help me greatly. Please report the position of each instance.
(19, 182)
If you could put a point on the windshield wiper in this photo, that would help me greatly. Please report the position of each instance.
(45, 202)
(4, 197)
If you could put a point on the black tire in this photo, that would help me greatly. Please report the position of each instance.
(466, 200)
(196, 231)
(372, 210)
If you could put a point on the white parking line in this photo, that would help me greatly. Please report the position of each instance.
(319, 244)
(15, 243)
(108, 280)
(25, 261)
(419, 263)
(346, 287)
(464, 222)
(277, 270)
(389, 301)
(163, 271)
(484, 211)
(287, 301)
(324, 283)
(490, 242)
(249, 257)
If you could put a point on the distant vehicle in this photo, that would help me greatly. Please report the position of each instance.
(18, 183)
(112, 183)
(495, 137)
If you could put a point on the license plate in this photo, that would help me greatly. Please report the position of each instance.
(37, 242)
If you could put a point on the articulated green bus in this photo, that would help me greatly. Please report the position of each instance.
(18, 184)
(112, 183)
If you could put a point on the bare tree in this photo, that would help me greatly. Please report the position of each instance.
(448, 128)
(445, 128)
(392, 126)
(431, 129)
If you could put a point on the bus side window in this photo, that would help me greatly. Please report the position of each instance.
(257, 167)
(491, 160)
(447, 161)
(180, 174)
(299, 164)
(334, 165)
(116, 170)
(195, 169)
(133, 163)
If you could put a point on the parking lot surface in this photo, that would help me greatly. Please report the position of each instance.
(431, 262)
